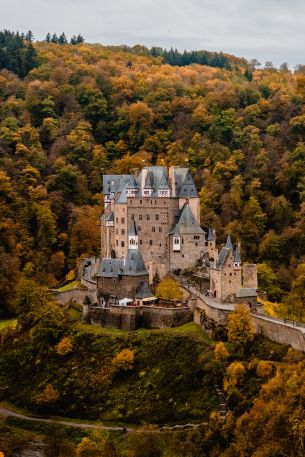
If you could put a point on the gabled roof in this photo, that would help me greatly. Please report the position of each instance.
(144, 291)
(187, 223)
(163, 183)
(149, 180)
(156, 175)
(111, 268)
(184, 184)
(134, 265)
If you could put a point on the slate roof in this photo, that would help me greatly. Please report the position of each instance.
(187, 223)
(112, 183)
(110, 218)
(133, 231)
(133, 265)
(144, 291)
(149, 181)
(156, 176)
(111, 268)
(211, 236)
(122, 196)
(229, 243)
(237, 257)
(222, 257)
(184, 184)
(163, 183)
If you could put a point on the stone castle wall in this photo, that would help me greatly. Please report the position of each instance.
(134, 317)
(279, 331)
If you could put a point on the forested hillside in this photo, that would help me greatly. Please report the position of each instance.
(87, 109)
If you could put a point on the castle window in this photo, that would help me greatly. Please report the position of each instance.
(230, 274)
(122, 220)
(117, 231)
(150, 242)
(160, 229)
(117, 243)
(123, 231)
(140, 217)
(153, 229)
(157, 217)
(196, 244)
(230, 281)
(140, 202)
(122, 244)
(139, 228)
(117, 220)
(196, 237)
(148, 217)
(140, 242)
(114, 279)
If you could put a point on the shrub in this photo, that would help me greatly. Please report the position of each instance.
(64, 346)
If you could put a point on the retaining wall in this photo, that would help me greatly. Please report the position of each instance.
(134, 317)
(279, 331)
(77, 294)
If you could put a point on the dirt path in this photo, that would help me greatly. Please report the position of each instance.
(8, 413)
(5, 412)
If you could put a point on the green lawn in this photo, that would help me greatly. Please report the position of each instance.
(190, 329)
(8, 323)
(70, 286)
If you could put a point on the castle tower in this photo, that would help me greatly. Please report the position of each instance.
(133, 239)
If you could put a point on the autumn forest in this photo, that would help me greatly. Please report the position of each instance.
(72, 111)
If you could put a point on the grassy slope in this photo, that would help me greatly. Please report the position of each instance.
(168, 382)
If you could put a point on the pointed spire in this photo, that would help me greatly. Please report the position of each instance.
(237, 258)
(229, 244)
(211, 234)
(133, 228)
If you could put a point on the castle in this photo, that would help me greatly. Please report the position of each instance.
(151, 228)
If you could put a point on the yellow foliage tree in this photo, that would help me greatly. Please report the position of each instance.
(220, 352)
(240, 328)
(86, 448)
(64, 346)
(124, 360)
(234, 375)
(169, 289)
(48, 396)
(264, 369)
